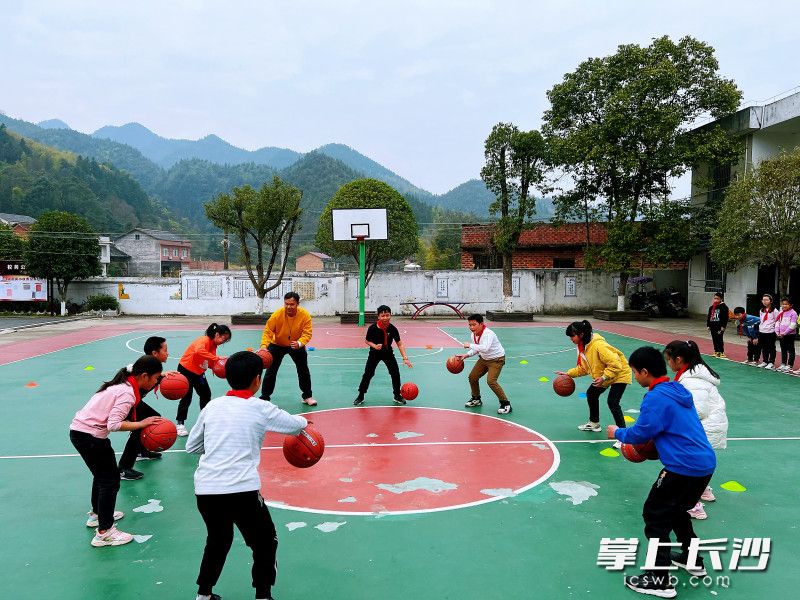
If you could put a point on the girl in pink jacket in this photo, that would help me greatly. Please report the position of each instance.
(786, 330)
(105, 412)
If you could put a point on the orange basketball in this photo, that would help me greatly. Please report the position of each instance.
(409, 391)
(219, 367)
(455, 364)
(266, 357)
(173, 386)
(159, 436)
(630, 452)
(304, 449)
(564, 385)
(648, 450)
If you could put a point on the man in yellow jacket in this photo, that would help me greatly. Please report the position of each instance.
(608, 368)
(288, 331)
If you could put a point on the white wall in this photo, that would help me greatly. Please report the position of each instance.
(217, 293)
(738, 285)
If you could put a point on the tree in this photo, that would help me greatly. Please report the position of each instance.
(264, 222)
(62, 247)
(371, 193)
(12, 247)
(760, 219)
(622, 127)
(515, 161)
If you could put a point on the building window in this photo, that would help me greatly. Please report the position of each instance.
(184, 253)
(720, 176)
(485, 261)
(175, 253)
(715, 276)
(136, 236)
(563, 263)
(165, 252)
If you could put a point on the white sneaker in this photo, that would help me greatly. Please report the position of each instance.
(93, 521)
(769, 367)
(745, 362)
(590, 426)
(617, 445)
(761, 365)
(797, 372)
(112, 537)
(182, 431)
(708, 495)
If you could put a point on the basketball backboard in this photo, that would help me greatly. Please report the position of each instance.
(350, 224)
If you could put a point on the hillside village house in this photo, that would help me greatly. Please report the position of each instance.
(765, 131)
(313, 261)
(154, 253)
(20, 224)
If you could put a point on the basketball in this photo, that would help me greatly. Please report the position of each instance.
(564, 385)
(174, 386)
(159, 436)
(304, 449)
(219, 367)
(266, 357)
(409, 391)
(455, 364)
(640, 452)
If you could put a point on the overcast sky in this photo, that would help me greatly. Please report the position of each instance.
(413, 85)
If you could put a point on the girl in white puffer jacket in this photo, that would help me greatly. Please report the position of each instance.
(702, 381)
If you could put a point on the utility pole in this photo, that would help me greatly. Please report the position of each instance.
(225, 245)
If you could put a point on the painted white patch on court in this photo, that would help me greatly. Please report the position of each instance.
(403, 435)
(372, 435)
(540, 446)
(420, 483)
(329, 526)
(152, 506)
(633, 410)
(578, 491)
(346, 479)
(348, 499)
(140, 539)
(295, 525)
(498, 492)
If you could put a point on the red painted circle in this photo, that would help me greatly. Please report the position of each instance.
(405, 460)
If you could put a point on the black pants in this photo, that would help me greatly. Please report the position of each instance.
(251, 516)
(753, 351)
(767, 343)
(716, 337)
(199, 384)
(373, 359)
(99, 457)
(665, 510)
(300, 359)
(615, 391)
(787, 350)
(134, 445)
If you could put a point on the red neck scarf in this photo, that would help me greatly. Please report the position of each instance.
(136, 393)
(662, 379)
(477, 337)
(679, 372)
(240, 393)
(385, 329)
(766, 313)
(716, 302)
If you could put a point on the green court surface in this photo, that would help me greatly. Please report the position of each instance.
(536, 544)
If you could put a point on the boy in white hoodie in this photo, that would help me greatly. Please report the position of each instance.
(695, 375)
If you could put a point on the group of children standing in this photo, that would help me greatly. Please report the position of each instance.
(771, 325)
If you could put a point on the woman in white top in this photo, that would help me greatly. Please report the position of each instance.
(766, 332)
(702, 381)
(491, 359)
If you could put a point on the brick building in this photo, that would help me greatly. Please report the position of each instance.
(154, 253)
(542, 247)
(20, 224)
(313, 261)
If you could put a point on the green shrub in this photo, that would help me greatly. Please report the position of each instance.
(101, 302)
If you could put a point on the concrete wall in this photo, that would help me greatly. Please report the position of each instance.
(145, 254)
(214, 293)
(738, 285)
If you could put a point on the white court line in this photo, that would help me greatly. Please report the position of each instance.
(66, 348)
(368, 445)
(128, 346)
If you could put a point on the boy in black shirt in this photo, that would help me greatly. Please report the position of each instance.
(716, 321)
(379, 339)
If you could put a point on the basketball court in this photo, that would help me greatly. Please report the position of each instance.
(430, 500)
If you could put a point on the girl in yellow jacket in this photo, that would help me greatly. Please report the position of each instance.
(608, 368)
(201, 354)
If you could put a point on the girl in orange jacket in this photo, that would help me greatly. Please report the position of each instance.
(201, 354)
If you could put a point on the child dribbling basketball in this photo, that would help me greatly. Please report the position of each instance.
(228, 436)
(106, 412)
(201, 354)
(491, 359)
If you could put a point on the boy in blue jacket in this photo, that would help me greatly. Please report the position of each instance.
(749, 325)
(669, 418)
